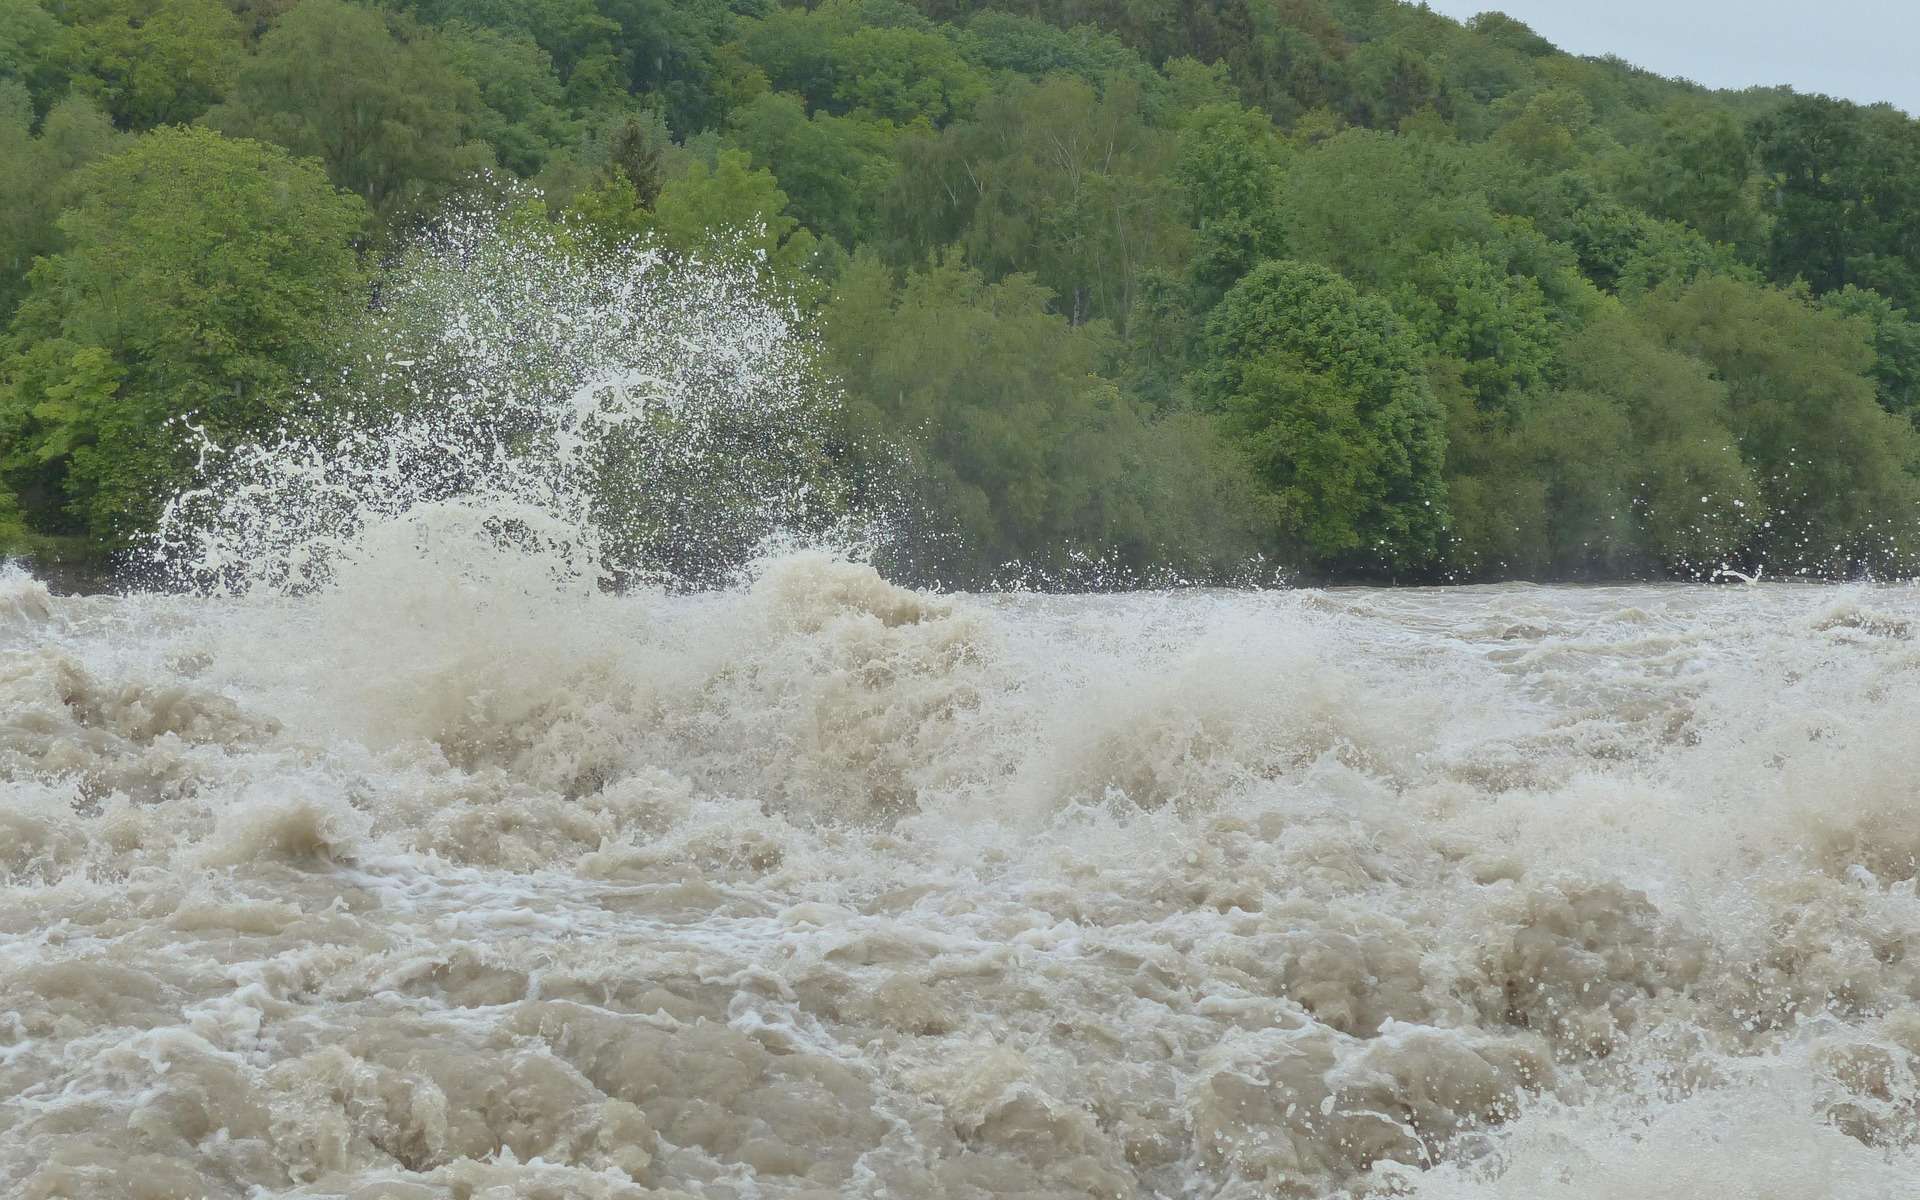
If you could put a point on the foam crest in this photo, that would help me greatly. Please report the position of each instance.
(815, 882)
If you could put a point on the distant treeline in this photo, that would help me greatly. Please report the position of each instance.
(1155, 288)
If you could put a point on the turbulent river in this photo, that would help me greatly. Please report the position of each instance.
(445, 884)
(392, 852)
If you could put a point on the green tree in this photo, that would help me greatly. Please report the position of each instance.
(1836, 470)
(1037, 466)
(1895, 339)
(197, 271)
(1395, 82)
(733, 212)
(1551, 131)
(795, 48)
(1325, 389)
(1068, 184)
(1372, 204)
(1623, 249)
(155, 62)
(1629, 467)
(1497, 326)
(1229, 174)
(904, 75)
(1845, 207)
(668, 51)
(835, 170)
(1028, 47)
(523, 117)
(37, 179)
(575, 34)
(390, 117)
(32, 51)
(1699, 171)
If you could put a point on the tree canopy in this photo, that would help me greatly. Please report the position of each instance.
(1346, 285)
(196, 272)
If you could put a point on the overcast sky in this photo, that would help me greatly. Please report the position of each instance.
(1862, 50)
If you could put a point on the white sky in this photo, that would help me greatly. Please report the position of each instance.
(1864, 50)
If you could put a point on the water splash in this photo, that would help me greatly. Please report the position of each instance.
(610, 412)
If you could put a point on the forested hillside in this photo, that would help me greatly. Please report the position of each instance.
(1153, 287)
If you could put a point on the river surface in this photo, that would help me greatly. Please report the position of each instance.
(433, 886)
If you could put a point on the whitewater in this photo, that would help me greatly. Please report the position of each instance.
(821, 886)
(533, 790)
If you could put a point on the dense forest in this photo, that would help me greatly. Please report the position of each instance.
(1157, 286)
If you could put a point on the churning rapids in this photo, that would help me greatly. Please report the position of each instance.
(824, 887)
(408, 861)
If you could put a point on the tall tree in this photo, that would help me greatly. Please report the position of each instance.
(523, 115)
(197, 271)
(1021, 450)
(32, 51)
(835, 170)
(1895, 338)
(1230, 174)
(1070, 187)
(388, 114)
(37, 178)
(1847, 209)
(156, 62)
(1836, 470)
(1630, 466)
(1325, 389)
(1700, 171)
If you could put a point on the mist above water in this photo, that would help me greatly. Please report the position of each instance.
(411, 860)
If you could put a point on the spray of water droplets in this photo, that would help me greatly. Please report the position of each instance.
(609, 412)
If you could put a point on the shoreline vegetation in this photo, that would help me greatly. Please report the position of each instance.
(1121, 294)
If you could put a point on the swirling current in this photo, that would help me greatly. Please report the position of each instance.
(449, 884)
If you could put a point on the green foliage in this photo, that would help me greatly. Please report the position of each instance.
(1394, 83)
(1836, 470)
(391, 118)
(1230, 174)
(874, 58)
(1496, 325)
(834, 169)
(1657, 484)
(14, 538)
(904, 75)
(1027, 455)
(1846, 208)
(32, 52)
(668, 48)
(1027, 47)
(1550, 132)
(197, 271)
(1068, 185)
(1322, 237)
(37, 179)
(1699, 172)
(1622, 249)
(1370, 204)
(1895, 339)
(155, 62)
(575, 35)
(732, 212)
(795, 48)
(1324, 388)
(523, 115)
